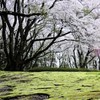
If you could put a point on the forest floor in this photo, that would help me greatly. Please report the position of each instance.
(49, 85)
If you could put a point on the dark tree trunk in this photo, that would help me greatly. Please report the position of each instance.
(13, 66)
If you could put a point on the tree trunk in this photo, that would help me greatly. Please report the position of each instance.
(13, 66)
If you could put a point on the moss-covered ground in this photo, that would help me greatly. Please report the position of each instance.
(59, 85)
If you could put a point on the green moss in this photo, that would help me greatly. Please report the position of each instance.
(59, 85)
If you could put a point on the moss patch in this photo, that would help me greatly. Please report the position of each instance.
(58, 85)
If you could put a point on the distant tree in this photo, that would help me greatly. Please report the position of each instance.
(81, 58)
(96, 62)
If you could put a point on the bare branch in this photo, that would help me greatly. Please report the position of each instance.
(53, 4)
(19, 14)
(50, 38)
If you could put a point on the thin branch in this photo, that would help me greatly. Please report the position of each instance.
(53, 4)
(19, 14)
(50, 38)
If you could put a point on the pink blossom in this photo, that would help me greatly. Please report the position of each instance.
(97, 52)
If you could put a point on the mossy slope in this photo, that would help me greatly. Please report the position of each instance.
(59, 85)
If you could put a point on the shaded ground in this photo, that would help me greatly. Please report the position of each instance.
(37, 96)
(49, 85)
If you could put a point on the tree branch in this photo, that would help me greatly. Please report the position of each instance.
(19, 14)
(49, 38)
(53, 4)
